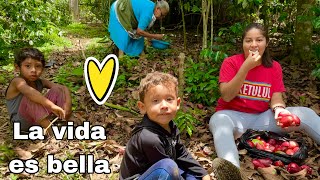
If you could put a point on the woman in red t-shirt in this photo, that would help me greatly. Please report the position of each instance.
(251, 89)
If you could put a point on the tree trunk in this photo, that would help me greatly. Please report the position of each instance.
(181, 79)
(74, 9)
(303, 33)
(205, 15)
(211, 41)
(184, 26)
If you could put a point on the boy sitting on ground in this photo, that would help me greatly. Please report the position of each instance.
(155, 150)
(24, 100)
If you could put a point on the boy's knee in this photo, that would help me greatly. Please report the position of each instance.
(58, 89)
(170, 167)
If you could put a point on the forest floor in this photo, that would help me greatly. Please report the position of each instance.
(302, 90)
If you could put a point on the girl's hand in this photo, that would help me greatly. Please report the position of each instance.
(277, 112)
(58, 111)
(253, 60)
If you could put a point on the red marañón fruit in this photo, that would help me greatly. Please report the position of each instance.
(295, 149)
(293, 168)
(287, 120)
(271, 141)
(309, 170)
(278, 163)
(250, 143)
(293, 144)
(257, 164)
(296, 120)
(259, 146)
(285, 144)
(266, 161)
(289, 152)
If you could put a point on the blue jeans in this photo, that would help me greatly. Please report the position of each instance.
(165, 169)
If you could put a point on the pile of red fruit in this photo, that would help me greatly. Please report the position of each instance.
(291, 167)
(286, 120)
(274, 146)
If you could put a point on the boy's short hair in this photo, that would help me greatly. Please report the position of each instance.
(28, 52)
(154, 79)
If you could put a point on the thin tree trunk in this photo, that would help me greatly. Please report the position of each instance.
(211, 42)
(184, 26)
(204, 24)
(205, 15)
(74, 9)
(303, 33)
(181, 58)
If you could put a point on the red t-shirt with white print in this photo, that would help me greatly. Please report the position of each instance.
(259, 85)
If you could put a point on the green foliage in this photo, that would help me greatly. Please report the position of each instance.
(6, 153)
(126, 64)
(316, 50)
(228, 37)
(84, 30)
(246, 3)
(95, 10)
(316, 71)
(202, 81)
(62, 7)
(97, 50)
(72, 77)
(13, 177)
(231, 34)
(154, 54)
(6, 73)
(27, 23)
(202, 84)
(185, 122)
(316, 19)
(54, 42)
(192, 6)
(75, 176)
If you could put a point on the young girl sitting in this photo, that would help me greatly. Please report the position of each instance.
(24, 100)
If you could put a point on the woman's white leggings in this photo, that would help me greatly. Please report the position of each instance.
(228, 125)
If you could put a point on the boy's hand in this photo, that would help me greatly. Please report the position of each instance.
(68, 112)
(58, 111)
(206, 177)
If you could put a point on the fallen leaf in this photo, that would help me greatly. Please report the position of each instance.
(36, 147)
(269, 173)
(23, 154)
(98, 176)
(243, 151)
(200, 154)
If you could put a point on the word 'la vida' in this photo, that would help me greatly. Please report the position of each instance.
(81, 132)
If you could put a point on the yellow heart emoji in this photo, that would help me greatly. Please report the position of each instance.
(101, 77)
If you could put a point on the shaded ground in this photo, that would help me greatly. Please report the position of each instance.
(302, 90)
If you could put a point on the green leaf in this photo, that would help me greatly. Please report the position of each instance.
(283, 16)
(77, 72)
(195, 9)
(189, 130)
(316, 23)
